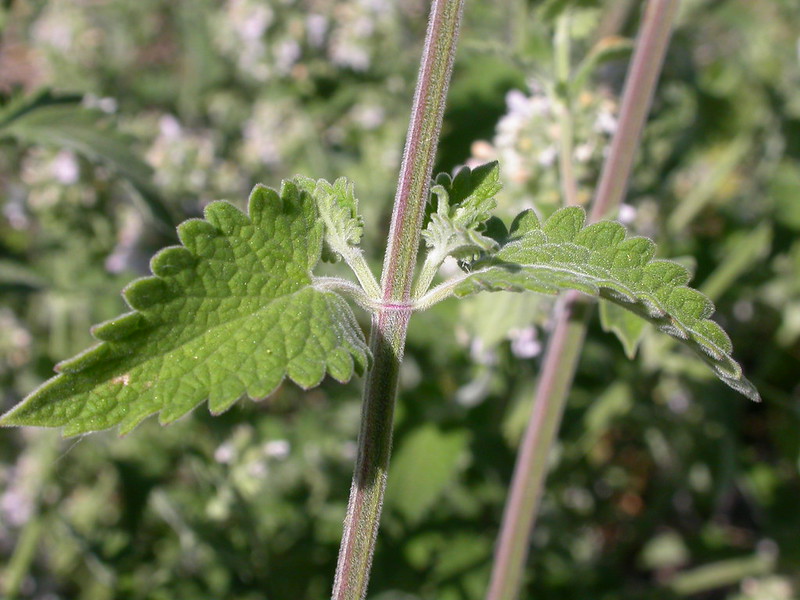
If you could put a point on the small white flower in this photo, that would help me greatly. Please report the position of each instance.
(369, 117)
(316, 29)
(583, 152)
(480, 353)
(65, 168)
(547, 157)
(346, 53)
(170, 127)
(287, 53)
(525, 342)
(627, 214)
(250, 20)
(225, 453)
(605, 123)
(517, 102)
(16, 507)
(277, 449)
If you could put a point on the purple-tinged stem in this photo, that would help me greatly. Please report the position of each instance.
(640, 85)
(390, 320)
(522, 504)
(566, 342)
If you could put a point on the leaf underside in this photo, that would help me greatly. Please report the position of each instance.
(231, 312)
(601, 260)
(625, 325)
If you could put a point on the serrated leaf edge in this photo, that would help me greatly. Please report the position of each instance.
(644, 303)
(359, 355)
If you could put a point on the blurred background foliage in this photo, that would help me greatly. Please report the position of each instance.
(120, 118)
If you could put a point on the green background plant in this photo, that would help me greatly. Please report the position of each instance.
(690, 492)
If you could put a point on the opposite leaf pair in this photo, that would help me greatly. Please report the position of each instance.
(236, 308)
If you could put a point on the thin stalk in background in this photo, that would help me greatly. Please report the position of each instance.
(390, 320)
(569, 185)
(566, 342)
(640, 85)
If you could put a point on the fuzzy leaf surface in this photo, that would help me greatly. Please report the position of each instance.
(464, 204)
(230, 312)
(338, 208)
(600, 260)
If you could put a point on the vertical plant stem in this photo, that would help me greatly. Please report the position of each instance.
(640, 85)
(566, 342)
(531, 466)
(390, 321)
(569, 185)
(23, 557)
(613, 20)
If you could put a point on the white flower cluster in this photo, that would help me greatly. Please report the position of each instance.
(188, 161)
(240, 32)
(272, 134)
(54, 176)
(276, 40)
(528, 139)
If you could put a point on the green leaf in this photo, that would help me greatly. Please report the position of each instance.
(601, 260)
(18, 104)
(628, 327)
(422, 469)
(464, 205)
(338, 208)
(231, 312)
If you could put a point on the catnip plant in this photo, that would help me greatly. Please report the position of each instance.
(237, 308)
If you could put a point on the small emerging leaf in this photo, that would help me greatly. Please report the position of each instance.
(601, 261)
(231, 312)
(338, 208)
(464, 205)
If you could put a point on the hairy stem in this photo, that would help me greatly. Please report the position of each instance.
(420, 151)
(390, 320)
(358, 264)
(566, 342)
